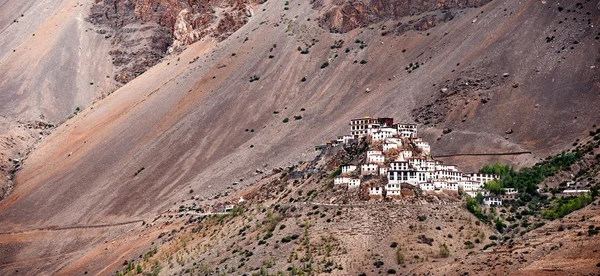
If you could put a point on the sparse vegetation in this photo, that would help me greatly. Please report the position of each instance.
(138, 171)
(254, 78)
(564, 206)
(444, 251)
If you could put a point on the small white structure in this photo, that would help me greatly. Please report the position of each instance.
(470, 186)
(424, 146)
(448, 174)
(492, 201)
(510, 191)
(383, 170)
(354, 183)
(575, 191)
(472, 193)
(348, 168)
(380, 135)
(482, 178)
(399, 166)
(368, 169)
(393, 189)
(341, 180)
(375, 156)
(363, 126)
(376, 191)
(407, 130)
(388, 146)
(406, 154)
(452, 186)
(427, 186)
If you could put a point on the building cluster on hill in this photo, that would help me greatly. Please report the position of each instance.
(398, 159)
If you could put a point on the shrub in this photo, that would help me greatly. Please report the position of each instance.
(469, 245)
(499, 225)
(391, 271)
(336, 172)
(444, 251)
(325, 64)
(489, 245)
(303, 79)
(298, 117)
(394, 244)
(254, 78)
(399, 257)
(363, 62)
(492, 237)
(286, 120)
(281, 227)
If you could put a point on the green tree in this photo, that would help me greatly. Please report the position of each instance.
(479, 198)
(494, 187)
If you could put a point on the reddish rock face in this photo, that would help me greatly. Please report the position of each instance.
(143, 31)
(345, 16)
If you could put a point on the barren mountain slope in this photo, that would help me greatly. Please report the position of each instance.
(181, 125)
(52, 63)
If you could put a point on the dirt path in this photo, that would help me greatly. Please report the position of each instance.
(484, 154)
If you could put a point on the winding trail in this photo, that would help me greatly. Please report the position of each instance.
(484, 154)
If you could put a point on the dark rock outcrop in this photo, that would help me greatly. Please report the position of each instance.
(144, 31)
(347, 15)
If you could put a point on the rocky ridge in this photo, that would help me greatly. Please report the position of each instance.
(345, 16)
(142, 32)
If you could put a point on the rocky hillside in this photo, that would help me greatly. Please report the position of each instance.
(143, 32)
(343, 16)
(507, 76)
(289, 224)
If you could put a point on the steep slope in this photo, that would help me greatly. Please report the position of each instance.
(181, 125)
(52, 64)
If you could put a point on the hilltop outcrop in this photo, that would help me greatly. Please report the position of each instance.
(142, 32)
(343, 16)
